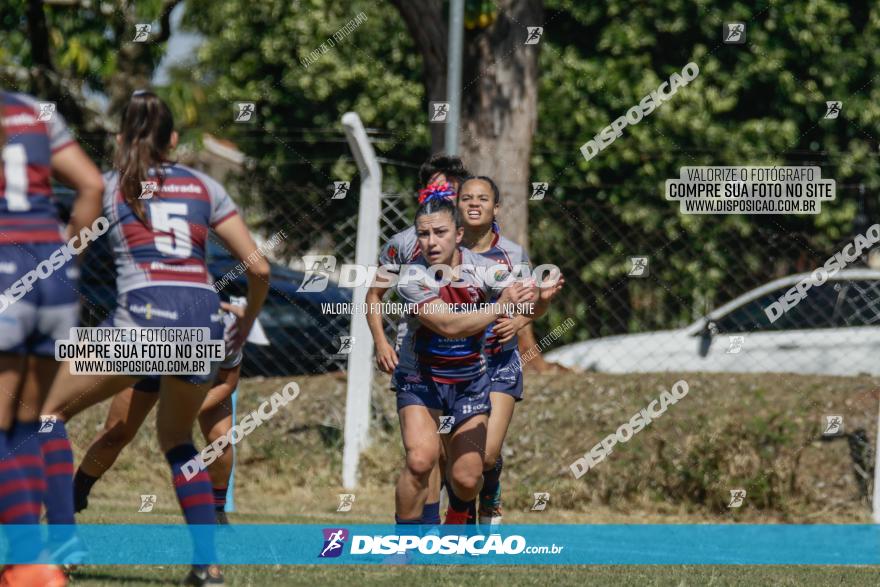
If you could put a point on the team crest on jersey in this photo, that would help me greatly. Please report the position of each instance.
(392, 252)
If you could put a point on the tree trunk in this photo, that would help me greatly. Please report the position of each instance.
(135, 63)
(499, 96)
(500, 108)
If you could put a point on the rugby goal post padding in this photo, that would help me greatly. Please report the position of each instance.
(360, 360)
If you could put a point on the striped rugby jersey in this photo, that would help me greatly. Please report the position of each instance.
(403, 247)
(504, 252)
(447, 360)
(170, 248)
(27, 209)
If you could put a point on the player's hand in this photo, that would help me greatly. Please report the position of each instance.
(386, 357)
(516, 293)
(506, 328)
(237, 334)
(551, 286)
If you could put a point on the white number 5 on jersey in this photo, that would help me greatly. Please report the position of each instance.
(166, 217)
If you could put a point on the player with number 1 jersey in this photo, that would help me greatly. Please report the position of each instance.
(38, 304)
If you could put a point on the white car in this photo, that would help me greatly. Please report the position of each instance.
(834, 330)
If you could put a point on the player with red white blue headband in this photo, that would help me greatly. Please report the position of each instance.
(442, 369)
(440, 176)
(38, 304)
(478, 202)
(161, 213)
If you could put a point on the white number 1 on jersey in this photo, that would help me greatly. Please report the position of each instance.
(15, 174)
(165, 217)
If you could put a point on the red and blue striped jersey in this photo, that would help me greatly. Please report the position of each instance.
(423, 351)
(170, 248)
(34, 132)
(505, 252)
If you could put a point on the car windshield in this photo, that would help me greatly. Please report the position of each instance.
(836, 304)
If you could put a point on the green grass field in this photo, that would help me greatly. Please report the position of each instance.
(758, 432)
(493, 575)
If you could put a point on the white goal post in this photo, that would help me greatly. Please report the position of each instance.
(360, 360)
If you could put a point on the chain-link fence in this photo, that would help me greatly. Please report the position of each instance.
(639, 296)
(696, 299)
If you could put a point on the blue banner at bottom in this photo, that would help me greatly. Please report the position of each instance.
(285, 544)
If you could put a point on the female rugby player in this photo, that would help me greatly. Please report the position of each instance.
(129, 409)
(441, 175)
(36, 147)
(159, 248)
(478, 203)
(442, 370)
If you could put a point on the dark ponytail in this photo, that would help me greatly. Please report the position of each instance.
(147, 124)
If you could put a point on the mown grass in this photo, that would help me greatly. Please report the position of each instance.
(762, 433)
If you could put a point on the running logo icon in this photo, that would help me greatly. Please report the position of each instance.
(736, 345)
(340, 190)
(439, 111)
(446, 424)
(318, 270)
(47, 111)
(147, 503)
(737, 496)
(346, 501)
(638, 267)
(334, 540)
(734, 33)
(541, 500)
(142, 33)
(245, 111)
(833, 426)
(148, 189)
(535, 33)
(47, 424)
(345, 344)
(833, 109)
(539, 190)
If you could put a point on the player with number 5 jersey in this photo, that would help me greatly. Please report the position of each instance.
(161, 213)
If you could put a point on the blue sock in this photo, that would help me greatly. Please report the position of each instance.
(431, 513)
(196, 499)
(58, 467)
(491, 482)
(25, 445)
(19, 514)
(459, 505)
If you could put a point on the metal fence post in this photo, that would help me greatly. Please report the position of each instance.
(360, 361)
